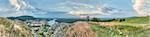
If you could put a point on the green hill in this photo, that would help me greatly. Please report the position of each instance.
(135, 20)
(124, 27)
(139, 20)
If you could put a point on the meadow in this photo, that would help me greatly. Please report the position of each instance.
(131, 27)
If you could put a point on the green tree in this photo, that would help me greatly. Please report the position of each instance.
(96, 19)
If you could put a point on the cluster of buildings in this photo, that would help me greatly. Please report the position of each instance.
(37, 25)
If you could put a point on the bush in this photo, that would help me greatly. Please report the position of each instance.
(95, 20)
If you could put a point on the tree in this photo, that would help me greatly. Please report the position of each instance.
(95, 20)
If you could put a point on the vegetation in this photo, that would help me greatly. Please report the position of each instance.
(11, 28)
(136, 20)
(95, 20)
(120, 31)
(43, 32)
(131, 27)
(139, 20)
(121, 27)
(22, 18)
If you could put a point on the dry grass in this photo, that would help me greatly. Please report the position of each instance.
(80, 29)
(10, 28)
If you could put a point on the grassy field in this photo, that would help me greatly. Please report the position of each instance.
(132, 27)
(137, 20)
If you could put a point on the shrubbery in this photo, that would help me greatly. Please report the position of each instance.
(9, 28)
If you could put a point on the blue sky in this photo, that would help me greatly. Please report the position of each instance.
(68, 8)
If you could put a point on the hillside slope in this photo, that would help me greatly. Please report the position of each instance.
(140, 20)
(9, 28)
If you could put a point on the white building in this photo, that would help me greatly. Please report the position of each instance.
(52, 22)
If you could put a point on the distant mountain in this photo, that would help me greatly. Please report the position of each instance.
(22, 18)
(26, 18)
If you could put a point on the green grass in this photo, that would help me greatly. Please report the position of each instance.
(138, 20)
(132, 27)
(120, 31)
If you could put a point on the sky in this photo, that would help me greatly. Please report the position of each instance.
(74, 8)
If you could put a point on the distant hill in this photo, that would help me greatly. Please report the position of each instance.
(22, 18)
(145, 19)
(26, 18)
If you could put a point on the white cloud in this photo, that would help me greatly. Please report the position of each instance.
(75, 8)
(20, 4)
(16, 4)
(139, 5)
(12, 12)
(22, 7)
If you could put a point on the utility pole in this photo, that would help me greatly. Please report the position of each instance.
(88, 18)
